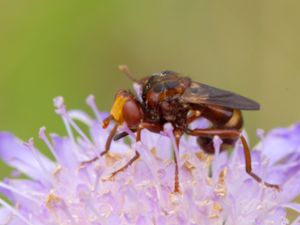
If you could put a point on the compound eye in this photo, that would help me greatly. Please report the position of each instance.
(132, 113)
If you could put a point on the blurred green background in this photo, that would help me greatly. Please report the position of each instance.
(72, 48)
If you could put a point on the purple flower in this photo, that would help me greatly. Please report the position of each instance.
(214, 189)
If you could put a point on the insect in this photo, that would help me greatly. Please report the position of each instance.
(168, 97)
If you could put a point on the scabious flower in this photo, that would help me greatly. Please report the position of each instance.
(214, 189)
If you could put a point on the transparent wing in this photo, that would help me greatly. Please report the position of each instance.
(199, 93)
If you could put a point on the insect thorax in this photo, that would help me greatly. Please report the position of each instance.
(161, 98)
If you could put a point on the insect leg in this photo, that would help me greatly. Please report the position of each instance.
(109, 140)
(107, 146)
(143, 125)
(177, 134)
(232, 134)
(135, 157)
(120, 136)
(153, 127)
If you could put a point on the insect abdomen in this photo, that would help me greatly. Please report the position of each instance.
(221, 118)
(236, 120)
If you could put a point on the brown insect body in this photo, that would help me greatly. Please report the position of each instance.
(167, 97)
(161, 99)
(162, 103)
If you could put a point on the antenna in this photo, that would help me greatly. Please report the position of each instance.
(124, 69)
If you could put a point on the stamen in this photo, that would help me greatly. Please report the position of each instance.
(98, 171)
(59, 104)
(55, 203)
(81, 116)
(30, 146)
(8, 187)
(15, 212)
(43, 136)
(151, 163)
(292, 206)
(168, 131)
(96, 184)
(260, 133)
(62, 111)
(79, 131)
(84, 196)
(283, 167)
(69, 130)
(221, 189)
(90, 101)
(217, 141)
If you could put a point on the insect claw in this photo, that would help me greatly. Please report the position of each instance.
(106, 121)
(274, 186)
(108, 178)
(104, 152)
(177, 189)
(84, 163)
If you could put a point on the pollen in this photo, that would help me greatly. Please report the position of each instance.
(57, 170)
(52, 200)
(221, 189)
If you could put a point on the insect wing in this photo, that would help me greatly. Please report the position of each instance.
(199, 93)
(138, 89)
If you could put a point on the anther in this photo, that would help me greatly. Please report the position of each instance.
(30, 145)
(90, 101)
(43, 136)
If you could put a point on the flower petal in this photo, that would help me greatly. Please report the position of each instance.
(66, 156)
(281, 142)
(17, 155)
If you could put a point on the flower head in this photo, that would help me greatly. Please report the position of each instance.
(214, 189)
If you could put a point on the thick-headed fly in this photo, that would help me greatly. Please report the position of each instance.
(168, 97)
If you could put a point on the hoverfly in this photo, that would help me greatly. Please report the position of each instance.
(168, 97)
